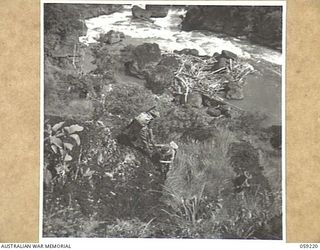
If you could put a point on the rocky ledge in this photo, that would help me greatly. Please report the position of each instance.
(259, 24)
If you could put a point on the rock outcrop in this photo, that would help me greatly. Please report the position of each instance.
(158, 10)
(111, 37)
(170, 62)
(260, 24)
(192, 52)
(142, 58)
(138, 12)
(159, 79)
(195, 100)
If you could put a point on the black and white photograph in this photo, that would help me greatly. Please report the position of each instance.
(162, 120)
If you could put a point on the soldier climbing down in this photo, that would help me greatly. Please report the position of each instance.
(165, 156)
(138, 132)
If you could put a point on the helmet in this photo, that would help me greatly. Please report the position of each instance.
(154, 113)
(173, 145)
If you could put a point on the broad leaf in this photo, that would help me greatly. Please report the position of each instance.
(76, 138)
(54, 148)
(67, 158)
(74, 128)
(67, 129)
(68, 145)
(57, 126)
(56, 141)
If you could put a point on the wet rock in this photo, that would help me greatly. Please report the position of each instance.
(112, 37)
(142, 58)
(225, 110)
(234, 92)
(159, 79)
(195, 100)
(170, 62)
(210, 102)
(229, 55)
(214, 112)
(140, 13)
(216, 55)
(158, 10)
(192, 52)
(194, 18)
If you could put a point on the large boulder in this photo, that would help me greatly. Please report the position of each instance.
(234, 92)
(229, 55)
(216, 55)
(158, 10)
(194, 100)
(214, 112)
(192, 52)
(142, 58)
(260, 24)
(159, 79)
(111, 37)
(138, 12)
(171, 62)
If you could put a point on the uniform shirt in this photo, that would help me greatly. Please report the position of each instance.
(168, 157)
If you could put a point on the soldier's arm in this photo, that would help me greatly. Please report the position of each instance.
(165, 161)
(144, 137)
(151, 136)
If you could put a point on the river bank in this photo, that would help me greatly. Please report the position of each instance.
(167, 33)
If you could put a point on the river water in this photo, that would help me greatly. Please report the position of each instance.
(262, 91)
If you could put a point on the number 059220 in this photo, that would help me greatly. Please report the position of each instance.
(310, 246)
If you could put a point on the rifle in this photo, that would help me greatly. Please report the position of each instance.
(150, 109)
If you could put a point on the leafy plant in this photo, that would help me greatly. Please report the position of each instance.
(62, 139)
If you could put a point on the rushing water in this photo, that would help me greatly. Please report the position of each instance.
(262, 92)
(167, 33)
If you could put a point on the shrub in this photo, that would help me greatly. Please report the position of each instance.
(103, 61)
(185, 122)
(124, 102)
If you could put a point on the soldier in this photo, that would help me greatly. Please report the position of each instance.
(166, 156)
(139, 133)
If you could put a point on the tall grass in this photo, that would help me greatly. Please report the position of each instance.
(201, 197)
(195, 183)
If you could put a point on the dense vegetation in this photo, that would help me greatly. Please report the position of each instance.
(94, 186)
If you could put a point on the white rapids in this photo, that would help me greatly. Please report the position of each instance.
(167, 33)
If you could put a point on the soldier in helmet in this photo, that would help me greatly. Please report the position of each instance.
(139, 133)
(165, 156)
